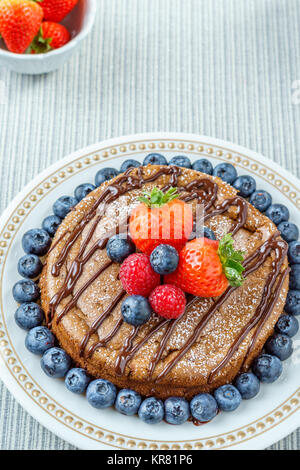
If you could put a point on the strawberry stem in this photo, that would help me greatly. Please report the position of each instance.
(158, 198)
(40, 45)
(231, 260)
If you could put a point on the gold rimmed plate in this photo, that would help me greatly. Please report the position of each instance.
(256, 424)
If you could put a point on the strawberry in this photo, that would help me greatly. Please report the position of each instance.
(51, 36)
(161, 218)
(168, 301)
(56, 10)
(20, 21)
(206, 270)
(137, 276)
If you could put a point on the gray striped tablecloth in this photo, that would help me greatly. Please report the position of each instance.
(224, 68)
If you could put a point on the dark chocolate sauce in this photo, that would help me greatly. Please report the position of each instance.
(242, 207)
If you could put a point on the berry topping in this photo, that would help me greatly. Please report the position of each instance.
(292, 304)
(204, 407)
(136, 310)
(208, 233)
(101, 393)
(164, 259)
(168, 301)
(56, 363)
(151, 410)
(155, 159)
(29, 315)
(30, 266)
(128, 402)
(294, 252)
(204, 166)
(228, 397)
(137, 276)
(207, 267)
(39, 340)
(83, 190)
(105, 174)
(36, 241)
(278, 213)
(129, 164)
(288, 231)
(245, 184)
(287, 325)
(248, 385)
(267, 368)
(161, 218)
(51, 224)
(77, 380)
(26, 291)
(177, 410)
(295, 277)
(226, 172)
(119, 248)
(280, 345)
(261, 200)
(63, 205)
(181, 160)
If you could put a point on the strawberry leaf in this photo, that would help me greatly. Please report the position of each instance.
(231, 260)
(158, 198)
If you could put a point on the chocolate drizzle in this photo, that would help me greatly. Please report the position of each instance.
(205, 191)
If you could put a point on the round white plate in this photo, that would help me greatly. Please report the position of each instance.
(255, 425)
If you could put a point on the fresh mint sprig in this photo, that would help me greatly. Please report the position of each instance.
(231, 260)
(158, 198)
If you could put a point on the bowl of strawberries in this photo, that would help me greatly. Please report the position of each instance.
(39, 36)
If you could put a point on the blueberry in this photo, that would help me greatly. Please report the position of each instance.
(289, 231)
(280, 345)
(295, 277)
(105, 174)
(292, 304)
(267, 368)
(226, 172)
(128, 402)
(63, 205)
(208, 233)
(36, 241)
(204, 407)
(227, 397)
(39, 340)
(294, 252)
(261, 200)
(155, 159)
(119, 248)
(26, 291)
(136, 310)
(287, 325)
(204, 166)
(248, 385)
(177, 410)
(77, 380)
(151, 410)
(83, 190)
(51, 224)
(101, 393)
(278, 213)
(245, 184)
(164, 259)
(181, 160)
(56, 362)
(129, 164)
(30, 266)
(29, 315)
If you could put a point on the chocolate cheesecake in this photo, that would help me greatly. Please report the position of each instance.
(213, 341)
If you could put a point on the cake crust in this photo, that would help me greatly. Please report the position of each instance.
(193, 373)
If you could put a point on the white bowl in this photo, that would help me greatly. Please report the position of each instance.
(79, 22)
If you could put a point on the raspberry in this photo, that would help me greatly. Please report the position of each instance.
(137, 275)
(168, 301)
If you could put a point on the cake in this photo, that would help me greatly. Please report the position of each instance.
(213, 341)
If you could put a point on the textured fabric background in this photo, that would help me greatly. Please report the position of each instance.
(223, 68)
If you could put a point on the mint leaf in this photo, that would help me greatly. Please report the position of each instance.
(231, 260)
(157, 198)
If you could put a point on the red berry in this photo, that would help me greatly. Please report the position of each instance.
(168, 301)
(137, 275)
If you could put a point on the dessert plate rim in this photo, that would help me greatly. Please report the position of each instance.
(53, 414)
